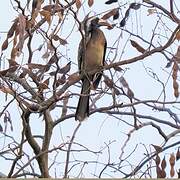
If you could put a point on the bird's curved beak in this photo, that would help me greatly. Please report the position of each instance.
(103, 22)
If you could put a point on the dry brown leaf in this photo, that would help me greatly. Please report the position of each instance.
(116, 16)
(46, 55)
(117, 68)
(130, 93)
(12, 29)
(12, 63)
(65, 69)
(36, 66)
(61, 80)
(108, 82)
(42, 87)
(3, 72)
(50, 47)
(73, 77)
(90, 2)
(116, 91)
(30, 24)
(6, 90)
(178, 35)
(55, 37)
(174, 76)
(15, 39)
(78, 4)
(14, 53)
(52, 8)
(12, 69)
(110, 14)
(4, 45)
(163, 163)
(60, 15)
(46, 81)
(10, 34)
(124, 82)
(137, 46)
(22, 27)
(46, 15)
(62, 41)
(52, 60)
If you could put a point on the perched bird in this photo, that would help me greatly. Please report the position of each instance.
(91, 56)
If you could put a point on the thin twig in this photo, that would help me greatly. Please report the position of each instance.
(69, 150)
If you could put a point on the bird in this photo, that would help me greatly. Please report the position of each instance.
(91, 56)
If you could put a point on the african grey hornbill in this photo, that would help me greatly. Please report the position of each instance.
(91, 56)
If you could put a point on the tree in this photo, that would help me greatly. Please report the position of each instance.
(137, 97)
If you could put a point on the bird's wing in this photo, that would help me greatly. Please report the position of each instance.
(80, 51)
(105, 46)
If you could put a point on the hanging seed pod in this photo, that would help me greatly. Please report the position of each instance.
(172, 160)
(163, 173)
(163, 163)
(157, 160)
(172, 172)
(178, 155)
(158, 171)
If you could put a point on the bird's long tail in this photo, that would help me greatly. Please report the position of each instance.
(82, 110)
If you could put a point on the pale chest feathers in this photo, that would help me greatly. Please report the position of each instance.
(95, 51)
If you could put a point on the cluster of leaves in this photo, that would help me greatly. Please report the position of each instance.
(23, 28)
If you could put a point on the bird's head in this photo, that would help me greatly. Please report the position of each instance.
(91, 23)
